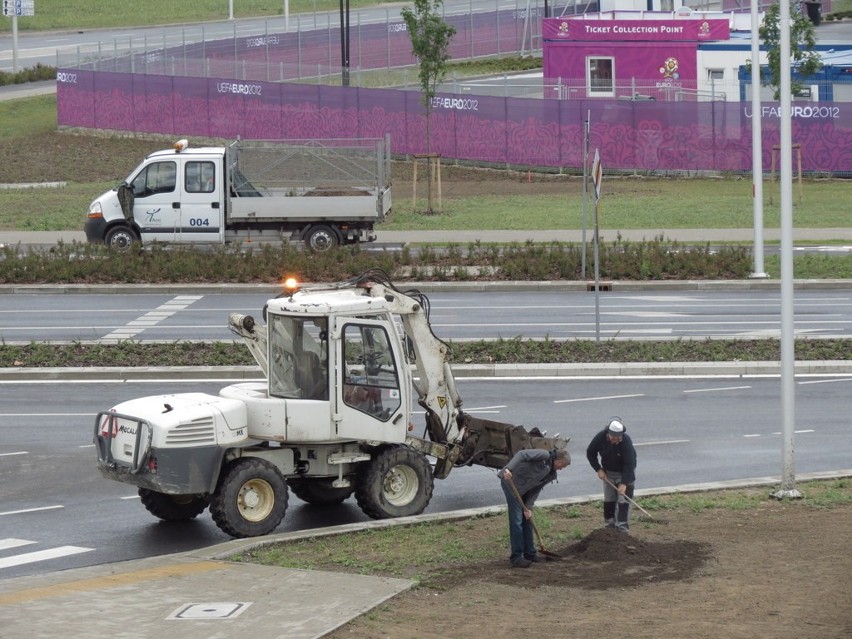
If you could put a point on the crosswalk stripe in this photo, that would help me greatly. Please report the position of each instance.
(42, 555)
(5, 544)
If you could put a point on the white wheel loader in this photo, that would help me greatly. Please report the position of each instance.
(344, 364)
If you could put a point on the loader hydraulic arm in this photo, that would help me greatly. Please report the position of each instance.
(434, 383)
(470, 440)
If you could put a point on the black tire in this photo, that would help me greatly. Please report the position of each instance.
(172, 507)
(397, 482)
(321, 238)
(251, 498)
(120, 238)
(319, 492)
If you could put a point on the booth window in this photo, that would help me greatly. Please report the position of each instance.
(600, 76)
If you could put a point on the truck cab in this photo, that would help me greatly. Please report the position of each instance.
(173, 196)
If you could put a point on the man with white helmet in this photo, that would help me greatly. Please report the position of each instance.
(613, 457)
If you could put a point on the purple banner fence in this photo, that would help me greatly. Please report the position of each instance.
(631, 135)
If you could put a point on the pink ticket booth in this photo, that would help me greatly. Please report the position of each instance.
(601, 55)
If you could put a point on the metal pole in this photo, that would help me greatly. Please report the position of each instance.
(585, 189)
(14, 43)
(756, 146)
(788, 370)
(597, 279)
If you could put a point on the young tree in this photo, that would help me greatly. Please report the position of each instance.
(805, 60)
(430, 40)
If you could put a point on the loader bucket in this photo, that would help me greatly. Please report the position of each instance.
(493, 444)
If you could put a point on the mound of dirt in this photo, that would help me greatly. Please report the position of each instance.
(605, 559)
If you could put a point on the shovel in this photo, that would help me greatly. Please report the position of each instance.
(648, 518)
(549, 555)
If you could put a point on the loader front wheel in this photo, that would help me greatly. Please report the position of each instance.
(172, 507)
(251, 498)
(319, 492)
(397, 482)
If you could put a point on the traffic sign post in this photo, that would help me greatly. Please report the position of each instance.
(15, 8)
(597, 175)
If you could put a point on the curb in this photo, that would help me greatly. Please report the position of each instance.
(461, 371)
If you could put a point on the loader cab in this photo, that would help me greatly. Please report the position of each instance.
(351, 369)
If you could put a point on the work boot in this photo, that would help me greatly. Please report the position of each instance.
(621, 524)
(521, 562)
(609, 514)
(536, 559)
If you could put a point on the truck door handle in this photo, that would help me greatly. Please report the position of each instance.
(214, 205)
(175, 205)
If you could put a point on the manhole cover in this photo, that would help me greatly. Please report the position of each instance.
(216, 610)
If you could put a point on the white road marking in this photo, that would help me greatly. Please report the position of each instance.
(152, 318)
(30, 510)
(596, 399)
(6, 544)
(23, 452)
(827, 381)
(42, 555)
(711, 390)
(662, 443)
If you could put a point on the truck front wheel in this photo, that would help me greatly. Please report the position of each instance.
(397, 482)
(251, 498)
(321, 238)
(120, 238)
(172, 507)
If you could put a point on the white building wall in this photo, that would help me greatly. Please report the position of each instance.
(709, 64)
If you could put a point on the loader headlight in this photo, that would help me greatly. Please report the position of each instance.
(95, 210)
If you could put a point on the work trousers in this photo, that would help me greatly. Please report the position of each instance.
(521, 541)
(616, 507)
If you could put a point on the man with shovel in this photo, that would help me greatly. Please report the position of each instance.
(613, 457)
(522, 480)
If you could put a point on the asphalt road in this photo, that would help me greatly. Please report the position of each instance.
(463, 315)
(687, 430)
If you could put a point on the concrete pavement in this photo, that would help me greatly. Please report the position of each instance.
(205, 594)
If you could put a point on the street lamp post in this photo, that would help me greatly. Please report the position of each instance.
(344, 42)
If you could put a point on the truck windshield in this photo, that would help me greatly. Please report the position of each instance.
(298, 357)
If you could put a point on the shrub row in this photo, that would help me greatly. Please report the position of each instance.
(621, 260)
(31, 74)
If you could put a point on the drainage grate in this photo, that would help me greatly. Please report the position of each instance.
(216, 610)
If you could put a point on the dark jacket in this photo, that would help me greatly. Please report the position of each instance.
(531, 469)
(617, 458)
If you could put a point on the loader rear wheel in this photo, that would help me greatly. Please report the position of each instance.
(397, 482)
(251, 498)
(172, 507)
(319, 492)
